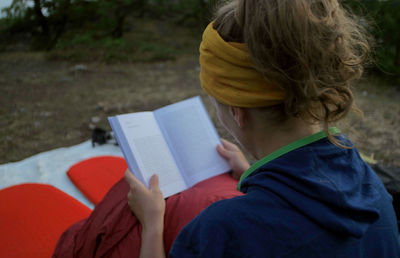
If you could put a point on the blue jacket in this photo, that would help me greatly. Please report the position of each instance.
(315, 201)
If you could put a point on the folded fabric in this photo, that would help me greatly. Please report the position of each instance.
(95, 176)
(33, 217)
(113, 231)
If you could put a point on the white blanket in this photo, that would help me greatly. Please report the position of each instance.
(50, 167)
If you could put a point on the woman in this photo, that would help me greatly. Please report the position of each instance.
(277, 72)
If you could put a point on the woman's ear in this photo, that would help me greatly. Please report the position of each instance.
(239, 115)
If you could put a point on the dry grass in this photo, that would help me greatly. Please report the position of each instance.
(45, 105)
(377, 134)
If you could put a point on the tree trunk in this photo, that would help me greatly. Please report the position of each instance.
(118, 30)
(397, 54)
(121, 13)
(41, 19)
(61, 24)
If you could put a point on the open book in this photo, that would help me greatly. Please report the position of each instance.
(177, 142)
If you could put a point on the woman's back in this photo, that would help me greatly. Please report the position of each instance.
(316, 201)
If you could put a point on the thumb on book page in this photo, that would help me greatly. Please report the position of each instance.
(153, 183)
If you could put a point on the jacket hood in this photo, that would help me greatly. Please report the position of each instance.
(330, 185)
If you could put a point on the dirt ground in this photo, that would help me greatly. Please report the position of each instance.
(50, 104)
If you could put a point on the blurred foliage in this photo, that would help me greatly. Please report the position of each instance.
(383, 18)
(148, 40)
(70, 27)
(103, 30)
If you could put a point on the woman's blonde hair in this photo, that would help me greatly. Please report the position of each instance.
(314, 49)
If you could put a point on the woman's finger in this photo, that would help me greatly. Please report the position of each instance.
(224, 152)
(153, 184)
(128, 176)
(228, 145)
(133, 182)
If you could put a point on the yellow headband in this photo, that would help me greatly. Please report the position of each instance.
(228, 75)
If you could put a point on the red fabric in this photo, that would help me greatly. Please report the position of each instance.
(113, 231)
(33, 217)
(95, 176)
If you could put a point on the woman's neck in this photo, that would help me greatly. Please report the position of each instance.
(262, 141)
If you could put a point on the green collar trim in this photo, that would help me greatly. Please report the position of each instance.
(288, 148)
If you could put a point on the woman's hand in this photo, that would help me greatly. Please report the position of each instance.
(234, 156)
(147, 204)
(149, 207)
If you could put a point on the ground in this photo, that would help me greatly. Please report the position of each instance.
(49, 104)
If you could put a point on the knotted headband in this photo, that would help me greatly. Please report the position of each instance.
(228, 75)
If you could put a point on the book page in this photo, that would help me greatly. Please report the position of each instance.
(192, 139)
(150, 151)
